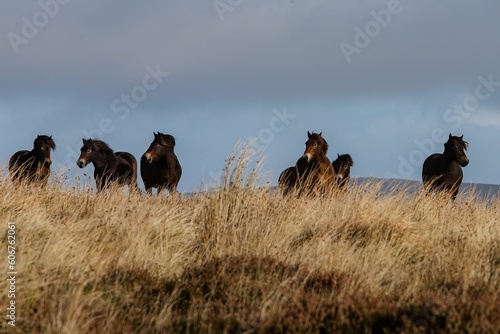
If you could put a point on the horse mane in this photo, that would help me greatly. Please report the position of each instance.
(462, 142)
(100, 146)
(319, 138)
(165, 139)
(347, 158)
(44, 140)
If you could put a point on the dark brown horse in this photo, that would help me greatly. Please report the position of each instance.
(109, 166)
(313, 173)
(160, 167)
(33, 166)
(443, 172)
(287, 180)
(342, 167)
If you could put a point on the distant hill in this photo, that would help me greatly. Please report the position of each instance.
(484, 191)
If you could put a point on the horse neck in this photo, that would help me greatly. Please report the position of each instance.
(166, 153)
(448, 157)
(322, 160)
(105, 162)
(37, 153)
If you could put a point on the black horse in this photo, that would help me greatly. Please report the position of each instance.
(287, 180)
(33, 166)
(160, 167)
(443, 172)
(109, 166)
(342, 167)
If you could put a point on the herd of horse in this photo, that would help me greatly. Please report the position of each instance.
(313, 174)
(160, 167)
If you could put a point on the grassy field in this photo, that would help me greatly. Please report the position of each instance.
(241, 259)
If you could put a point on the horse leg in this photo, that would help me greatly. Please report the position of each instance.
(100, 184)
(172, 189)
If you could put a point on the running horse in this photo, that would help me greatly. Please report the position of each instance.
(33, 166)
(443, 172)
(342, 167)
(160, 167)
(109, 166)
(313, 173)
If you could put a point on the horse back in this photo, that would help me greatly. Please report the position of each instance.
(127, 164)
(18, 159)
(23, 164)
(174, 167)
(287, 179)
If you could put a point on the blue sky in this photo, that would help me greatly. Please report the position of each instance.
(385, 81)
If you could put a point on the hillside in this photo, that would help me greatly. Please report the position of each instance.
(243, 259)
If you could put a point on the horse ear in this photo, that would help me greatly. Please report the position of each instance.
(338, 155)
(320, 134)
(462, 137)
(450, 136)
(308, 134)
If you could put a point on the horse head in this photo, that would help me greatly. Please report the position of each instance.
(42, 146)
(160, 145)
(316, 146)
(455, 148)
(342, 167)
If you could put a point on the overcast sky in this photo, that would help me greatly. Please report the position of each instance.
(385, 81)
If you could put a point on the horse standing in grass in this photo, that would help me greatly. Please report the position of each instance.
(109, 166)
(443, 172)
(317, 172)
(160, 167)
(33, 166)
(342, 167)
(313, 173)
(287, 180)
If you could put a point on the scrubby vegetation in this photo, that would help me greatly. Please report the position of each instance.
(241, 259)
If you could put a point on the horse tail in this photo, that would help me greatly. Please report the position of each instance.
(133, 164)
(133, 186)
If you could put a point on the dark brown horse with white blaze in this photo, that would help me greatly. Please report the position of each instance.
(342, 167)
(109, 166)
(33, 166)
(443, 172)
(313, 173)
(160, 167)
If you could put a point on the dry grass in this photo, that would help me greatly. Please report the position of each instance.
(242, 259)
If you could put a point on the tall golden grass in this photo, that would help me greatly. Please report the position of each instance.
(242, 259)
